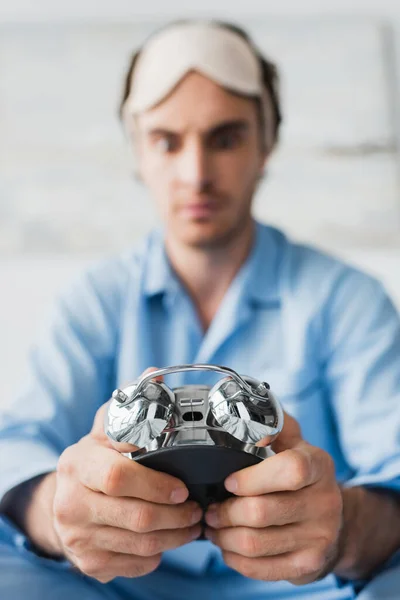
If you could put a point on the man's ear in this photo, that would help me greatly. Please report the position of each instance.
(134, 158)
(134, 161)
(264, 164)
(130, 134)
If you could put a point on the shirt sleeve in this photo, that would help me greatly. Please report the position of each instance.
(362, 367)
(69, 374)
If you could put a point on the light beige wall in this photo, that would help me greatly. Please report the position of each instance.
(66, 180)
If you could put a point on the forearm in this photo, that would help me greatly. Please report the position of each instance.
(30, 506)
(370, 532)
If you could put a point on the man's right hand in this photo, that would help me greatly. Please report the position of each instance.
(112, 516)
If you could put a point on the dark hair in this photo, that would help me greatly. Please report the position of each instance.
(269, 71)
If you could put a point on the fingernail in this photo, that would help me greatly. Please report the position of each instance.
(179, 495)
(195, 533)
(209, 534)
(231, 484)
(212, 517)
(196, 516)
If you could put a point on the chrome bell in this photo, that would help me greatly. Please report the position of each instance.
(250, 419)
(142, 420)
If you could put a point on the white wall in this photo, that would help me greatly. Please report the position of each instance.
(40, 10)
(65, 177)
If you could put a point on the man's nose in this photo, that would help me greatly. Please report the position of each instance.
(194, 166)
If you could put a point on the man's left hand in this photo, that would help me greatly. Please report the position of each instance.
(285, 518)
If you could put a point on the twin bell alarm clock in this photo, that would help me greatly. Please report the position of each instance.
(197, 433)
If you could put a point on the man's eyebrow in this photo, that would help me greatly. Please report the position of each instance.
(161, 131)
(235, 125)
(232, 125)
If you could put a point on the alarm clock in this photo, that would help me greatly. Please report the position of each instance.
(197, 433)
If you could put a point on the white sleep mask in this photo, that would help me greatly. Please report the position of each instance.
(218, 53)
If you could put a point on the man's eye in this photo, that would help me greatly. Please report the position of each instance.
(226, 140)
(166, 144)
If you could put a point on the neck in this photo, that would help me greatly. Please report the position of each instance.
(207, 272)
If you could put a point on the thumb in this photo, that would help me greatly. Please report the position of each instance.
(150, 370)
(290, 435)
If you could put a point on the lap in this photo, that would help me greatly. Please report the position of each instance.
(385, 585)
(23, 574)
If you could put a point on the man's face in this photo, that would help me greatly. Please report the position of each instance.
(200, 154)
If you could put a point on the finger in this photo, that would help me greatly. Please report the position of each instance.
(287, 567)
(98, 429)
(159, 378)
(143, 544)
(150, 370)
(289, 436)
(142, 517)
(105, 566)
(105, 470)
(290, 470)
(278, 508)
(255, 543)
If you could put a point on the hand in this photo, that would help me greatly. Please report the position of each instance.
(114, 517)
(285, 520)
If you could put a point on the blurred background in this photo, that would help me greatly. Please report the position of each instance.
(67, 191)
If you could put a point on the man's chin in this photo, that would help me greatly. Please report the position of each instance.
(203, 235)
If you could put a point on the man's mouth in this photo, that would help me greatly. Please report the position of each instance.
(200, 210)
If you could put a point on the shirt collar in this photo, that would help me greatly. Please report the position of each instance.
(261, 280)
(159, 276)
(259, 273)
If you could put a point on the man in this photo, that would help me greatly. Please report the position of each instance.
(319, 518)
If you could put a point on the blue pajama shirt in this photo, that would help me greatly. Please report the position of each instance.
(323, 334)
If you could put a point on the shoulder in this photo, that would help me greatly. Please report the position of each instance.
(313, 273)
(103, 282)
(333, 298)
